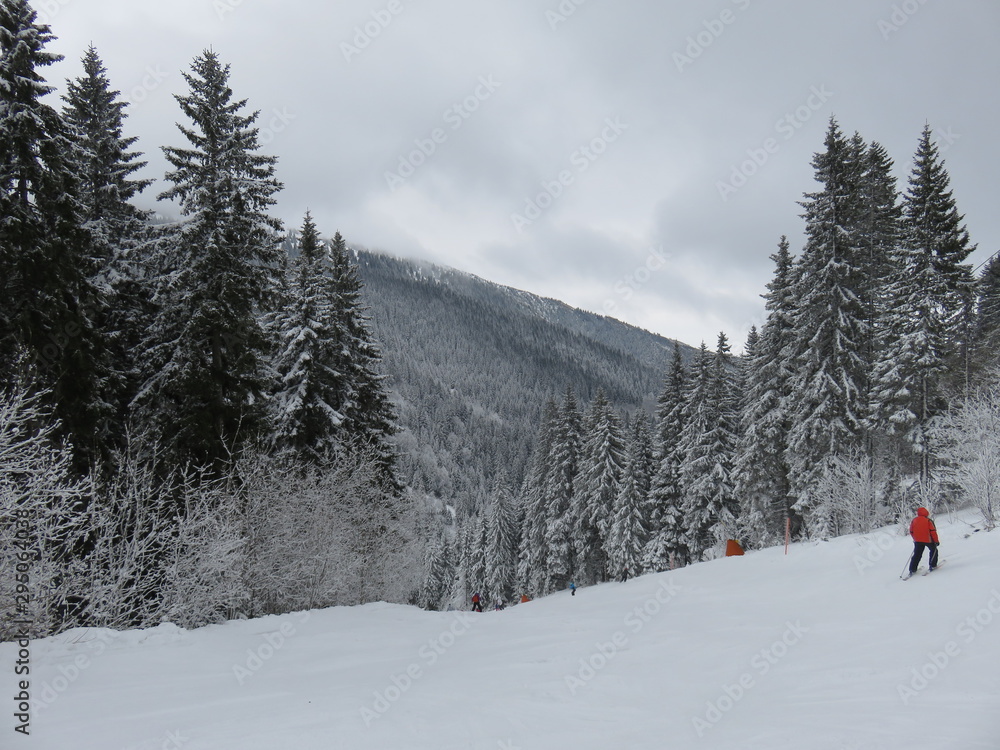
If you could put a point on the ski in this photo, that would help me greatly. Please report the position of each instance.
(931, 570)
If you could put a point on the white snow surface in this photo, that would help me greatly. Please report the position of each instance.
(824, 649)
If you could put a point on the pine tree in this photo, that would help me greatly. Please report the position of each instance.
(829, 325)
(601, 467)
(474, 547)
(987, 332)
(369, 417)
(931, 295)
(762, 475)
(711, 432)
(879, 238)
(666, 524)
(438, 575)
(48, 303)
(533, 554)
(501, 544)
(207, 354)
(934, 227)
(561, 494)
(628, 530)
(696, 463)
(105, 166)
(310, 382)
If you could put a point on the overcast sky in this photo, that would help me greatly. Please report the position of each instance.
(638, 158)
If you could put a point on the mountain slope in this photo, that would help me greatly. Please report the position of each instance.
(472, 364)
(824, 648)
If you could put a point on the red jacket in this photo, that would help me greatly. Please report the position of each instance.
(922, 527)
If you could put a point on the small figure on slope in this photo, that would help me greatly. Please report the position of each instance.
(572, 589)
(477, 605)
(924, 534)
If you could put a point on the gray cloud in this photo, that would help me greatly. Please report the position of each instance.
(354, 91)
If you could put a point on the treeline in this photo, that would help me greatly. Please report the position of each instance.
(871, 388)
(156, 376)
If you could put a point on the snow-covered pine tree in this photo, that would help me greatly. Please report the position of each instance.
(474, 557)
(532, 569)
(601, 467)
(695, 464)
(562, 493)
(710, 434)
(207, 356)
(761, 474)
(926, 323)
(438, 574)
(666, 525)
(369, 416)
(723, 439)
(48, 303)
(987, 332)
(310, 385)
(501, 544)
(754, 510)
(628, 531)
(106, 166)
(829, 385)
(879, 238)
(934, 226)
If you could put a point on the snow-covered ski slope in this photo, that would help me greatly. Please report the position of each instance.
(824, 649)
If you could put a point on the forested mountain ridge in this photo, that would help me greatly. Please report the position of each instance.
(471, 364)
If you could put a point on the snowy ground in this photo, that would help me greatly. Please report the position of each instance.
(824, 649)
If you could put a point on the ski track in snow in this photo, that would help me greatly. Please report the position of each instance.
(823, 649)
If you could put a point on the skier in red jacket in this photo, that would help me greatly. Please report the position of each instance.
(924, 535)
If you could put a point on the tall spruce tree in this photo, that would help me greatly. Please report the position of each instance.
(711, 432)
(666, 523)
(208, 352)
(762, 476)
(696, 462)
(929, 315)
(309, 362)
(987, 332)
(533, 553)
(601, 468)
(829, 325)
(48, 302)
(628, 530)
(935, 227)
(369, 417)
(561, 494)
(106, 165)
(879, 238)
(501, 544)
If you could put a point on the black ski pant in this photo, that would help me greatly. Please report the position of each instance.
(918, 552)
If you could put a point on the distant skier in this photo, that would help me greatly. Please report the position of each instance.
(924, 534)
(524, 598)
(625, 575)
(477, 604)
(572, 589)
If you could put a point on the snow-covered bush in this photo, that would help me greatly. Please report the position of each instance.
(318, 536)
(852, 495)
(969, 439)
(41, 524)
